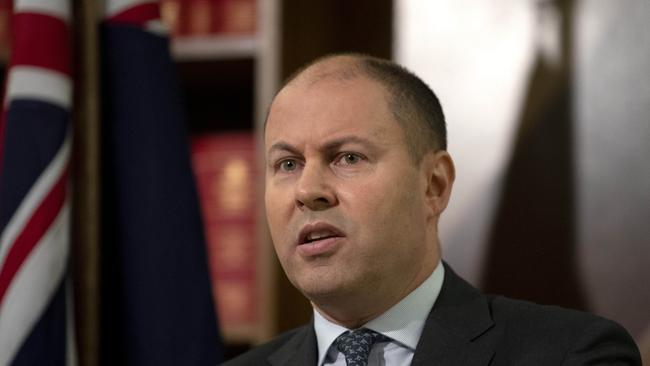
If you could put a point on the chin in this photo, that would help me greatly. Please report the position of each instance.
(319, 291)
(318, 287)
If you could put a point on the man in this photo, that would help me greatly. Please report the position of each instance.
(357, 177)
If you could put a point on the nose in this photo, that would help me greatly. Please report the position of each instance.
(313, 190)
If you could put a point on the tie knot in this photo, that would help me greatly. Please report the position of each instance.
(356, 345)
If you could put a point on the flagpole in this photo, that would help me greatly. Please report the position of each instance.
(86, 187)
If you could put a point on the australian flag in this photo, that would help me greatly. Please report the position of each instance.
(34, 201)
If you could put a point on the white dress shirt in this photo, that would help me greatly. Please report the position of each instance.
(403, 324)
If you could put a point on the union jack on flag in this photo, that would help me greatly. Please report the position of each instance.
(34, 205)
(157, 305)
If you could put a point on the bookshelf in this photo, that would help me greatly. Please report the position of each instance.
(227, 80)
(213, 48)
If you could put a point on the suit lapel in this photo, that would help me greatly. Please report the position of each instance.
(457, 330)
(300, 350)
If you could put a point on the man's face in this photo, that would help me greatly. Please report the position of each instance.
(345, 201)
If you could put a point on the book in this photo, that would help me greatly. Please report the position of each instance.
(206, 18)
(225, 171)
(234, 16)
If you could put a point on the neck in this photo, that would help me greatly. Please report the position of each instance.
(354, 310)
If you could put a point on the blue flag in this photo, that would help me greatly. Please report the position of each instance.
(157, 306)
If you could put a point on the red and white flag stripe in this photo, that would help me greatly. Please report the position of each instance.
(34, 243)
(142, 13)
(29, 82)
(59, 9)
(35, 262)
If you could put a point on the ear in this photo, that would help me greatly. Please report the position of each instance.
(440, 173)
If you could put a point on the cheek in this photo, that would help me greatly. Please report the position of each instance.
(275, 203)
(388, 210)
(386, 195)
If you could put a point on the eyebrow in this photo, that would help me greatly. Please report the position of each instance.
(282, 146)
(337, 143)
(329, 146)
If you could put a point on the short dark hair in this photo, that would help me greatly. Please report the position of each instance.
(413, 104)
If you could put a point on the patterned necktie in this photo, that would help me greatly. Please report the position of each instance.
(356, 345)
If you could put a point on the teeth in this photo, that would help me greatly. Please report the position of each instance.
(319, 235)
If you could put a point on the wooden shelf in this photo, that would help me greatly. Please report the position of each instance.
(227, 82)
(214, 47)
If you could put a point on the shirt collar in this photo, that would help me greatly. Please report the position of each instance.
(403, 322)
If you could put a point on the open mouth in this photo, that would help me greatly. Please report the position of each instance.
(317, 232)
(318, 235)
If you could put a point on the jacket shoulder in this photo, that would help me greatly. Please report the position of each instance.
(543, 319)
(259, 354)
(509, 310)
(574, 337)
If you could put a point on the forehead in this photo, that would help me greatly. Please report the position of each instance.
(329, 107)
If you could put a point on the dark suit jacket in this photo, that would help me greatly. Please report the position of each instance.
(466, 327)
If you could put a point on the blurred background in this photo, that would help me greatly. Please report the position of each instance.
(548, 112)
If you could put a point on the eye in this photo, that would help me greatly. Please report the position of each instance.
(348, 159)
(288, 165)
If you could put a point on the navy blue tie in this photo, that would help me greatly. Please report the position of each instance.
(356, 345)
